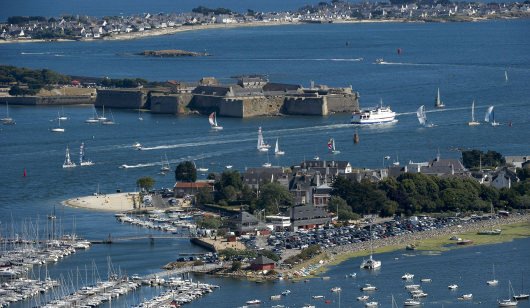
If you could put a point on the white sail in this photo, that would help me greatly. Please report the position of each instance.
(262, 145)
(277, 149)
(490, 117)
(473, 111)
(422, 116)
(67, 162)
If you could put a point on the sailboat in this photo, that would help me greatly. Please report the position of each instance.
(506, 76)
(473, 122)
(370, 263)
(267, 164)
(262, 145)
(213, 122)
(331, 146)
(58, 129)
(277, 149)
(202, 169)
(67, 162)
(165, 164)
(7, 120)
(508, 302)
(82, 159)
(111, 121)
(62, 117)
(102, 117)
(492, 231)
(94, 118)
(437, 102)
(494, 281)
(490, 116)
(422, 117)
(521, 295)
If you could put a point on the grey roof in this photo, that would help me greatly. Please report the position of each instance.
(243, 217)
(262, 260)
(444, 162)
(307, 212)
(396, 171)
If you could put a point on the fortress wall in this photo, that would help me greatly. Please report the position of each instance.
(343, 103)
(118, 98)
(172, 103)
(205, 103)
(50, 100)
(261, 106)
(306, 105)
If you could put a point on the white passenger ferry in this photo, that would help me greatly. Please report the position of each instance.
(375, 115)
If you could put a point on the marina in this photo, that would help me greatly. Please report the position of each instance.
(190, 138)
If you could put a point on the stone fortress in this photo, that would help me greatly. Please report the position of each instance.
(251, 96)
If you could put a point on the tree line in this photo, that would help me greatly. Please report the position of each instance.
(413, 193)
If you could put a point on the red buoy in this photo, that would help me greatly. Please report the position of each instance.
(24, 172)
(510, 124)
(399, 51)
(347, 43)
(355, 138)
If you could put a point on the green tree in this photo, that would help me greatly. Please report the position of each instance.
(204, 196)
(272, 195)
(145, 183)
(209, 222)
(186, 172)
(229, 193)
(271, 255)
(236, 265)
(230, 178)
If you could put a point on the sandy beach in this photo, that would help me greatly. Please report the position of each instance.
(105, 202)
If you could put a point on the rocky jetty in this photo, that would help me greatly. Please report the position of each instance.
(171, 53)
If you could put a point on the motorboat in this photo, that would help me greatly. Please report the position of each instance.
(379, 61)
(407, 276)
(453, 287)
(467, 296)
(336, 289)
(368, 287)
(371, 304)
(363, 298)
(253, 302)
(318, 296)
(377, 115)
(411, 302)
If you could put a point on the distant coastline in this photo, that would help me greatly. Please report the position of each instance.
(197, 27)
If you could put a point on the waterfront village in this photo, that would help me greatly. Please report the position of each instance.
(82, 27)
(275, 242)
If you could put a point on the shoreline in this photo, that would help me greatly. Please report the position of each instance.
(117, 202)
(187, 28)
(434, 242)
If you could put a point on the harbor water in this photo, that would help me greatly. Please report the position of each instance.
(467, 61)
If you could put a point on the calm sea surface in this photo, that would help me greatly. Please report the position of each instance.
(467, 61)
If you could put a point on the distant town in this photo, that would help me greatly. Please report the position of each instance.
(82, 27)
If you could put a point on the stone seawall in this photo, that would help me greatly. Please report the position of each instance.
(170, 103)
(343, 103)
(306, 106)
(50, 100)
(121, 98)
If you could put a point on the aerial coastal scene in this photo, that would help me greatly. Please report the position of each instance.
(355, 154)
